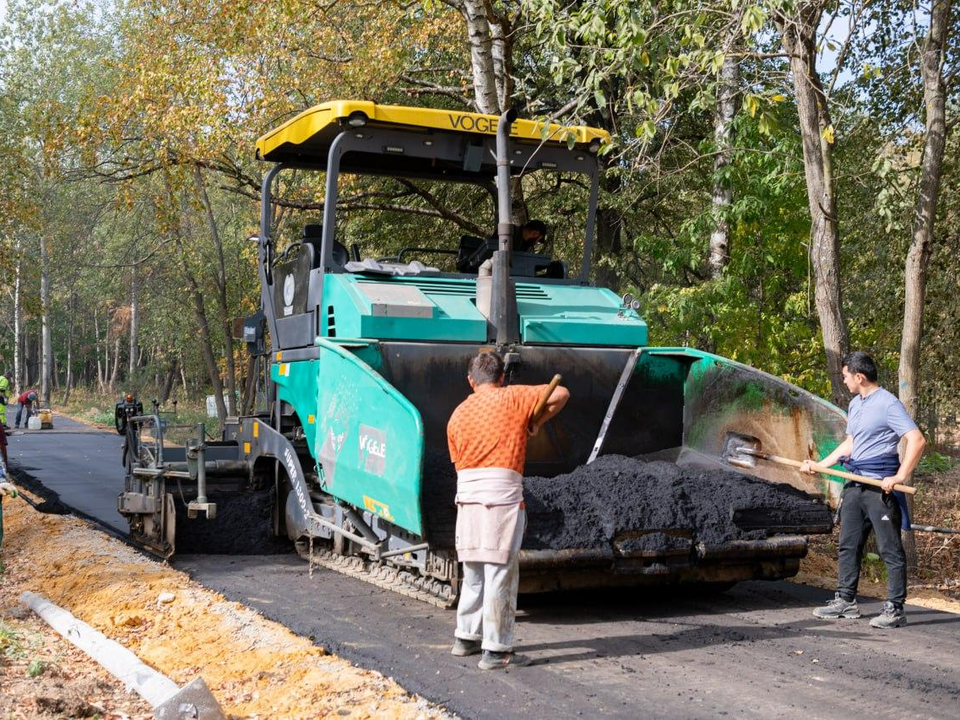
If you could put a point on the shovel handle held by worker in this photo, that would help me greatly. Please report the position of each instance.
(841, 474)
(544, 399)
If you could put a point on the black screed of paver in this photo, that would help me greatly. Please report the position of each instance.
(438, 491)
(243, 526)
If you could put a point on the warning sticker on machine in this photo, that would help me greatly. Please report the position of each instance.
(373, 450)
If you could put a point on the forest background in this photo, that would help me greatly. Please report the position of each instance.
(783, 185)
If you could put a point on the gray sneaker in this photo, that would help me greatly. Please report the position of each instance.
(463, 648)
(500, 660)
(891, 616)
(838, 608)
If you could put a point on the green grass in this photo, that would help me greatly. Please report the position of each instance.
(9, 640)
(13, 643)
(934, 462)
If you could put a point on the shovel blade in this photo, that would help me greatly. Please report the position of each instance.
(733, 449)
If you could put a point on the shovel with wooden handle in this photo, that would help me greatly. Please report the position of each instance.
(743, 451)
(542, 404)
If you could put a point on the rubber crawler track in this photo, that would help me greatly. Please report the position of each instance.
(428, 590)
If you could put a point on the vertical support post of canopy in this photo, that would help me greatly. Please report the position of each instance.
(504, 300)
(330, 200)
(265, 250)
(591, 222)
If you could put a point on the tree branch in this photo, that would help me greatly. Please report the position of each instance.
(428, 88)
(443, 210)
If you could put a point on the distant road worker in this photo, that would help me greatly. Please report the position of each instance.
(4, 396)
(487, 435)
(27, 400)
(876, 420)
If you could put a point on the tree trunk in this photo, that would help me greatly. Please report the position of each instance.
(134, 325)
(38, 357)
(727, 94)
(925, 212)
(17, 329)
(46, 342)
(609, 236)
(250, 386)
(26, 359)
(29, 360)
(68, 381)
(199, 307)
(501, 34)
(798, 37)
(480, 38)
(490, 37)
(168, 381)
(609, 225)
(220, 277)
(106, 353)
(96, 334)
(116, 363)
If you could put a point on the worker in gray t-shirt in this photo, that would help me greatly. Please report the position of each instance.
(876, 421)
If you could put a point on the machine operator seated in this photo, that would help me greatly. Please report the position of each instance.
(528, 259)
(533, 233)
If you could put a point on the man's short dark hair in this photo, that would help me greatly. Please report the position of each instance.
(538, 225)
(859, 362)
(487, 367)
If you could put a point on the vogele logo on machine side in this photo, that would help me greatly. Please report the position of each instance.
(372, 450)
(474, 124)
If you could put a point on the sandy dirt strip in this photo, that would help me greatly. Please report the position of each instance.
(256, 668)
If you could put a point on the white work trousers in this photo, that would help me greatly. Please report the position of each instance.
(488, 598)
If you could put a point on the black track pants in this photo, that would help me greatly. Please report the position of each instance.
(864, 508)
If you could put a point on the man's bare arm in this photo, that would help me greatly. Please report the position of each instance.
(558, 398)
(844, 448)
(916, 443)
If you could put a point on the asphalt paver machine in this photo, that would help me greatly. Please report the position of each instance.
(367, 356)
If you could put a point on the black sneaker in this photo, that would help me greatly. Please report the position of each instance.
(891, 616)
(462, 648)
(838, 608)
(500, 660)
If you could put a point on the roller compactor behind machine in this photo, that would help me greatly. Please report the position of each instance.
(366, 360)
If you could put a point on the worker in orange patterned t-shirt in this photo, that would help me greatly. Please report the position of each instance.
(487, 434)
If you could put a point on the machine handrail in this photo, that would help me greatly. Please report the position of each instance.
(158, 436)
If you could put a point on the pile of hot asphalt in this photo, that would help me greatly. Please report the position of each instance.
(639, 506)
(622, 498)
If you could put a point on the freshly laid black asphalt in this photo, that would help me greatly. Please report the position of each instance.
(754, 651)
(78, 462)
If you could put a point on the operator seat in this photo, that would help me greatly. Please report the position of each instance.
(472, 252)
(313, 235)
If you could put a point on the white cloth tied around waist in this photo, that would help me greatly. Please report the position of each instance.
(489, 486)
(488, 514)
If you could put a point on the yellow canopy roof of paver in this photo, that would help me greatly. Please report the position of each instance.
(318, 126)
